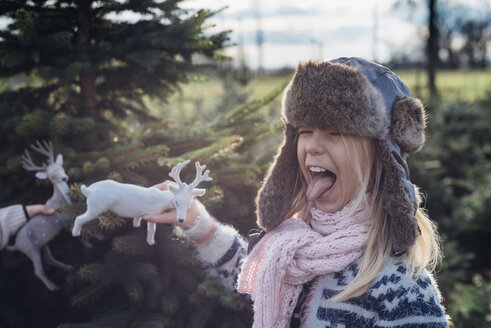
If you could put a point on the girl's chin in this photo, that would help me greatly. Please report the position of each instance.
(328, 208)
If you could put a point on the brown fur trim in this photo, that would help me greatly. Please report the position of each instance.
(276, 195)
(408, 124)
(402, 222)
(335, 97)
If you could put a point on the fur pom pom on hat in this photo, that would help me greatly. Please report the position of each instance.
(358, 97)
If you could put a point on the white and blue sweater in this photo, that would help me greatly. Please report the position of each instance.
(395, 299)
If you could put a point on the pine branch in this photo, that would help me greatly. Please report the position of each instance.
(109, 221)
(169, 304)
(201, 315)
(58, 40)
(127, 319)
(213, 196)
(266, 158)
(87, 295)
(91, 167)
(79, 125)
(135, 159)
(238, 113)
(133, 287)
(153, 320)
(34, 123)
(244, 126)
(132, 245)
(128, 176)
(212, 288)
(146, 272)
(7, 6)
(216, 150)
(120, 151)
(113, 153)
(26, 26)
(237, 175)
(59, 124)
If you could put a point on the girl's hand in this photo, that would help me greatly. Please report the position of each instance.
(170, 215)
(33, 210)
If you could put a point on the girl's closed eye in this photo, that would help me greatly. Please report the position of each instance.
(304, 131)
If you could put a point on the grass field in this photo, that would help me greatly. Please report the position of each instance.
(467, 85)
(203, 94)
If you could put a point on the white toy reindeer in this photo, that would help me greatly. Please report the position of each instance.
(41, 229)
(131, 201)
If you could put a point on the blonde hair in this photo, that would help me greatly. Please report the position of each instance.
(369, 170)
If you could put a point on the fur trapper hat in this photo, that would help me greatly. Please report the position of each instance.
(358, 97)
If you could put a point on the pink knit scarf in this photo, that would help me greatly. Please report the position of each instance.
(296, 252)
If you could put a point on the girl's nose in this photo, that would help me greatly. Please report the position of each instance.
(314, 144)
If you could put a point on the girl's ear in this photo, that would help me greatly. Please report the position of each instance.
(408, 124)
(42, 175)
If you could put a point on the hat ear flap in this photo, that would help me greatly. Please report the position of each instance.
(276, 195)
(408, 124)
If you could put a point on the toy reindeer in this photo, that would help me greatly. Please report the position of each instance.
(35, 235)
(131, 201)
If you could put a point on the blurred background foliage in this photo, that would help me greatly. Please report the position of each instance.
(128, 100)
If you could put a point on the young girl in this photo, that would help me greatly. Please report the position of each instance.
(344, 241)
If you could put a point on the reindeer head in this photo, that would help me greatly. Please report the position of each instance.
(184, 193)
(52, 169)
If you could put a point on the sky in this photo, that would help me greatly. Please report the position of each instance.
(294, 30)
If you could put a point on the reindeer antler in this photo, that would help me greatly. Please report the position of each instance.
(46, 149)
(199, 176)
(176, 171)
(29, 165)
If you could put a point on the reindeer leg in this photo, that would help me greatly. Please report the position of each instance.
(137, 222)
(54, 262)
(151, 228)
(35, 257)
(80, 221)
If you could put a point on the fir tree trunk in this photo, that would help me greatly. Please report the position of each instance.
(88, 76)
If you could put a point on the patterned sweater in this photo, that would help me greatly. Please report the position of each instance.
(395, 299)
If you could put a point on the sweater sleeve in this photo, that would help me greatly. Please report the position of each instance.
(11, 219)
(221, 253)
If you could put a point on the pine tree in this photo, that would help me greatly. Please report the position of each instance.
(74, 73)
(454, 169)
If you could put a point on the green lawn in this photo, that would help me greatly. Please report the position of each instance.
(466, 85)
(202, 94)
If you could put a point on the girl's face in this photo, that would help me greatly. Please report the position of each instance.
(327, 168)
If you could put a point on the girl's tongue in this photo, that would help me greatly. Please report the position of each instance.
(320, 184)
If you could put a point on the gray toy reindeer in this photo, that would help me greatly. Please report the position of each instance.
(35, 235)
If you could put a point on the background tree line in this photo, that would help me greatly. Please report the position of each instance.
(455, 36)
